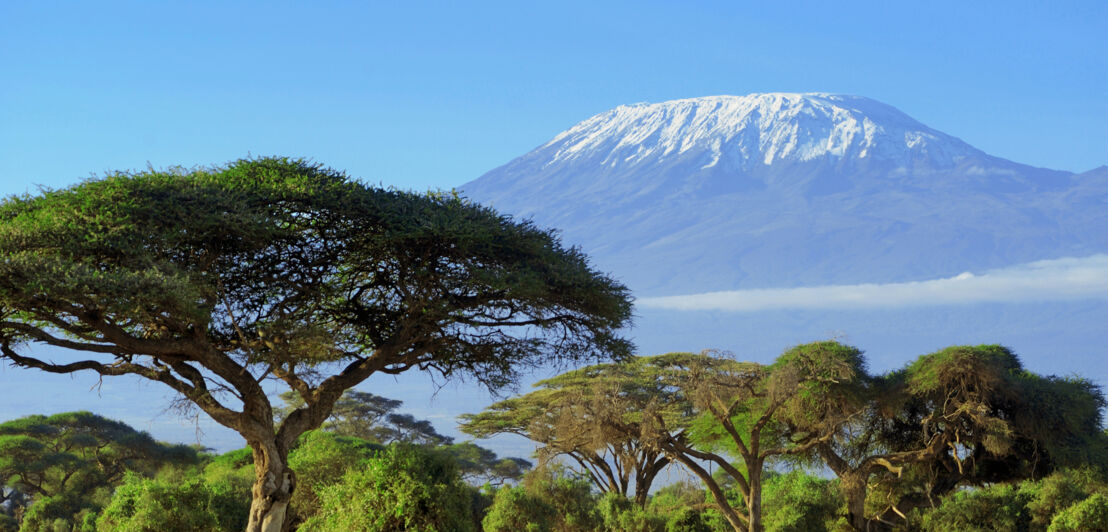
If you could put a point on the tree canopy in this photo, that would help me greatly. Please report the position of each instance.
(566, 414)
(214, 279)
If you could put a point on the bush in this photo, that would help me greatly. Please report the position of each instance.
(1000, 508)
(799, 502)
(550, 498)
(687, 520)
(569, 493)
(145, 505)
(1088, 515)
(513, 509)
(320, 460)
(618, 514)
(60, 512)
(404, 487)
(1059, 491)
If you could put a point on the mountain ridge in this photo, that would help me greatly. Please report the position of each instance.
(786, 189)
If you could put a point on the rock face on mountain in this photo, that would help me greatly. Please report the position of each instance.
(771, 190)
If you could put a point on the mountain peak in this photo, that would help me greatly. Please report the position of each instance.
(783, 189)
(759, 128)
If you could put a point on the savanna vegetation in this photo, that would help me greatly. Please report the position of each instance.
(214, 281)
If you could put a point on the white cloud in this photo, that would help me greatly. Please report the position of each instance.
(1046, 280)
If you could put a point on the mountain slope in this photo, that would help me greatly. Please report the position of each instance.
(776, 189)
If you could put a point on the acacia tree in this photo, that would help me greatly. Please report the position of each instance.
(965, 415)
(564, 416)
(212, 280)
(371, 417)
(740, 415)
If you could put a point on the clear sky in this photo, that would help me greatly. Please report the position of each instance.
(423, 94)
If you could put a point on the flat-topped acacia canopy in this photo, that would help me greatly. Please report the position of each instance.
(212, 280)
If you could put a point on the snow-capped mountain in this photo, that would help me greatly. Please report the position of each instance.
(757, 129)
(771, 190)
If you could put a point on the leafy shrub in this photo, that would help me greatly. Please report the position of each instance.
(618, 514)
(64, 512)
(513, 509)
(1090, 514)
(146, 505)
(319, 460)
(687, 520)
(550, 498)
(799, 502)
(1000, 508)
(404, 487)
(569, 493)
(1059, 491)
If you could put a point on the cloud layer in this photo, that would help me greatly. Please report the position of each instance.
(1046, 280)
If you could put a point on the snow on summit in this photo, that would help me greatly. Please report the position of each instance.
(758, 127)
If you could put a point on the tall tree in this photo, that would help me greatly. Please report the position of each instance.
(212, 280)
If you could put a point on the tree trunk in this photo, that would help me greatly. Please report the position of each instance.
(642, 492)
(754, 500)
(273, 486)
(736, 521)
(854, 489)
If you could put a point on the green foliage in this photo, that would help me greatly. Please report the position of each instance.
(402, 488)
(320, 460)
(549, 499)
(1000, 508)
(514, 509)
(1087, 515)
(821, 383)
(798, 502)
(619, 514)
(687, 520)
(77, 451)
(1058, 491)
(370, 417)
(569, 493)
(59, 512)
(160, 252)
(573, 414)
(67, 463)
(147, 505)
(480, 464)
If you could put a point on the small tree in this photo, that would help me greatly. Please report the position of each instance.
(480, 465)
(564, 415)
(211, 281)
(371, 417)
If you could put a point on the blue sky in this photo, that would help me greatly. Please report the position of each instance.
(421, 94)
